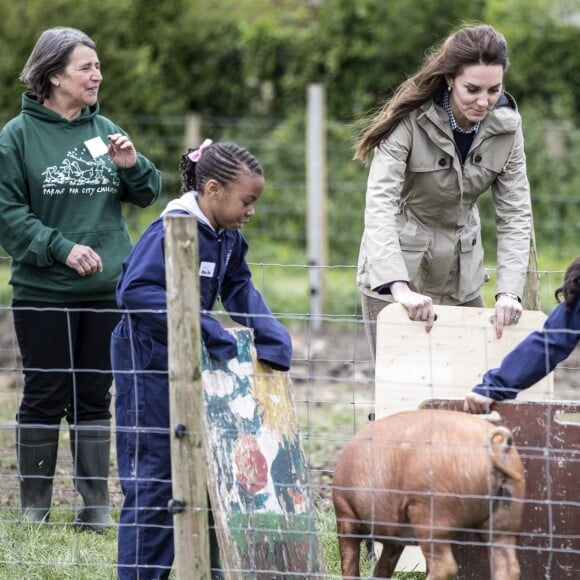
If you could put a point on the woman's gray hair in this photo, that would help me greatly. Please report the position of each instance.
(50, 56)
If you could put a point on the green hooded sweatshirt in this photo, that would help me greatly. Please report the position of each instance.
(58, 187)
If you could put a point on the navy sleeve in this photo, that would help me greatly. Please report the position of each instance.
(220, 344)
(535, 357)
(142, 285)
(246, 306)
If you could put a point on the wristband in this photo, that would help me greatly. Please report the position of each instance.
(510, 295)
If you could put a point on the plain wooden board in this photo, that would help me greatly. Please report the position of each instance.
(258, 477)
(413, 365)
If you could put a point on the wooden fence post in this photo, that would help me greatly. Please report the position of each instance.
(193, 130)
(316, 187)
(188, 459)
(532, 298)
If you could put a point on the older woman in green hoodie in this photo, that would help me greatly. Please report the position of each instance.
(65, 172)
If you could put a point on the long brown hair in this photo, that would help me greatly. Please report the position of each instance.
(478, 44)
(570, 289)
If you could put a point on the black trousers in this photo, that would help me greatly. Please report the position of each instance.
(65, 351)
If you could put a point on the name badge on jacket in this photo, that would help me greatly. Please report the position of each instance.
(206, 269)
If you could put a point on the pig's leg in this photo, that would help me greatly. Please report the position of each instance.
(502, 558)
(390, 555)
(349, 546)
(441, 564)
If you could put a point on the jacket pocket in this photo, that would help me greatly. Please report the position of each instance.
(415, 243)
(471, 269)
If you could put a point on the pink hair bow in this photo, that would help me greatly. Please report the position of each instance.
(195, 156)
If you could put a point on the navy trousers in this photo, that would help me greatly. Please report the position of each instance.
(145, 541)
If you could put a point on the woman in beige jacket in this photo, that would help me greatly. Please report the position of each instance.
(449, 133)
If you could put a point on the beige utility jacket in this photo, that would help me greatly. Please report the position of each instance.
(422, 224)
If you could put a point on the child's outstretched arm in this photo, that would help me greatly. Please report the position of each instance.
(530, 361)
(271, 338)
(246, 306)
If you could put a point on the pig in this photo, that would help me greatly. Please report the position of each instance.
(422, 476)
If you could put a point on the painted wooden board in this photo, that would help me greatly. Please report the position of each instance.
(413, 365)
(547, 436)
(258, 477)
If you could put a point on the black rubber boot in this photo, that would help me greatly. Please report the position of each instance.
(91, 446)
(36, 450)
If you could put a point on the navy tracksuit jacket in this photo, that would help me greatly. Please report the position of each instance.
(535, 357)
(139, 343)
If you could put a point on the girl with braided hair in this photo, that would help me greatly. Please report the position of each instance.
(221, 183)
(538, 354)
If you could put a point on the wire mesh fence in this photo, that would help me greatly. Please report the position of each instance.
(333, 374)
(332, 382)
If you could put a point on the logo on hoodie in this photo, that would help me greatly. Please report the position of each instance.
(79, 175)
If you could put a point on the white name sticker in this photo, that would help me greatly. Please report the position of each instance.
(207, 269)
(96, 147)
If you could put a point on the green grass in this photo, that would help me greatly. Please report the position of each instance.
(327, 528)
(59, 551)
(286, 289)
(286, 285)
(5, 288)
